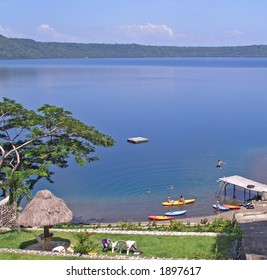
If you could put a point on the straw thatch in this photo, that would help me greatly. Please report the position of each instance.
(45, 209)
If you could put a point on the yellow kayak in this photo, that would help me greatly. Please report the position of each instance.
(178, 203)
(160, 218)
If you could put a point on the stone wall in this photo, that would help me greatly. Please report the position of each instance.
(8, 217)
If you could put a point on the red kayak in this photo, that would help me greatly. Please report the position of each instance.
(232, 207)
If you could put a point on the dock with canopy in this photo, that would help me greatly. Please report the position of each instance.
(244, 183)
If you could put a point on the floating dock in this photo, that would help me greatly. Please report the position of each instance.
(137, 140)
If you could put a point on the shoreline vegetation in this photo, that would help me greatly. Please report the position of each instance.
(14, 48)
(214, 240)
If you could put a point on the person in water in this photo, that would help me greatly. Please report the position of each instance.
(219, 164)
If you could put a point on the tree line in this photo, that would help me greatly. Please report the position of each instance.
(13, 48)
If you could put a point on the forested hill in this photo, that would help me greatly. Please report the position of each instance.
(29, 49)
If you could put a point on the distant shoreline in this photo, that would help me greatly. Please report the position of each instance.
(14, 48)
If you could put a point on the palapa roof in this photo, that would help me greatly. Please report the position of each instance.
(45, 209)
(244, 183)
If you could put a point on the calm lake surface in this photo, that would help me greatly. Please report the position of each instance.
(194, 112)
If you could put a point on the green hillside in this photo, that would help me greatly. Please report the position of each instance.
(11, 48)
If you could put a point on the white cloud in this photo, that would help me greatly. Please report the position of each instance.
(5, 31)
(48, 30)
(49, 33)
(158, 30)
(148, 29)
(148, 33)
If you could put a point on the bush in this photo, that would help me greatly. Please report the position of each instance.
(176, 226)
(84, 244)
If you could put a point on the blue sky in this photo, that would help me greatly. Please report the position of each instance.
(147, 22)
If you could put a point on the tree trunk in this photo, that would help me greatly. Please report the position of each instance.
(47, 239)
(17, 215)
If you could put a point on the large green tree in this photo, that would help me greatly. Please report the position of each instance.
(32, 141)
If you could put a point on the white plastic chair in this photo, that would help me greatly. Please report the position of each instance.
(59, 249)
(122, 245)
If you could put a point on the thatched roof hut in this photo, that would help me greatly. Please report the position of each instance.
(46, 210)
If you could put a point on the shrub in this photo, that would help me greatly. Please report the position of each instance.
(84, 244)
(204, 221)
(122, 225)
(152, 225)
(176, 226)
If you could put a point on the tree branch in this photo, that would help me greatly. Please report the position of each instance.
(50, 133)
(3, 156)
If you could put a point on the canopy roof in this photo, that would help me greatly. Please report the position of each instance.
(45, 209)
(244, 183)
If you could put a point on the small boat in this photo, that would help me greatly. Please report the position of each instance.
(175, 213)
(160, 218)
(177, 202)
(231, 206)
(221, 207)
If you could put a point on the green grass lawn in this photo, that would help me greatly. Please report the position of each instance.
(185, 247)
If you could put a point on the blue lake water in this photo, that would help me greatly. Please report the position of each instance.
(194, 112)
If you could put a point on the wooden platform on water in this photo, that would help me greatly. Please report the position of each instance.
(137, 140)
